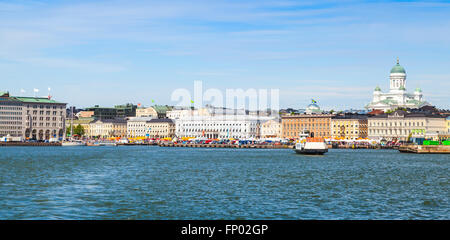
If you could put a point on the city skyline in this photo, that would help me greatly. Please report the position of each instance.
(333, 52)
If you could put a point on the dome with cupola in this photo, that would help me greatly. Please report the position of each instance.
(398, 68)
(313, 108)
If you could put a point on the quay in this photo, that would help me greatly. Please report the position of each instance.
(335, 146)
(31, 144)
(137, 144)
(195, 145)
(437, 149)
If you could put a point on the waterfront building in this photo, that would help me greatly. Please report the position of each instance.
(313, 120)
(105, 128)
(220, 126)
(156, 111)
(400, 125)
(349, 126)
(317, 124)
(271, 129)
(85, 122)
(161, 128)
(397, 97)
(137, 126)
(31, 117)
(11, 116)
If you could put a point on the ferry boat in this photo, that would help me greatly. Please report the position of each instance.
(310, 145)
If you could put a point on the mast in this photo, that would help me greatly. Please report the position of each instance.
(71, 124)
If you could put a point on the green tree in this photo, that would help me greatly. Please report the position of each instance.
(68, 131)
(78, 130)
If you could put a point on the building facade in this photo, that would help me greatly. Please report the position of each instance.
(137, 126)
(400, 125)
(83, 122)
(31, 117)
(349, 127)
(221, 126)
(105, 128)
(271, 129)
(150, 127)
(317, 124)
(397, 97)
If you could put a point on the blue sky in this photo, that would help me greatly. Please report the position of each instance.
(113, 52)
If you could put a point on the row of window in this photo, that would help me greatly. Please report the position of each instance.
(390, 124)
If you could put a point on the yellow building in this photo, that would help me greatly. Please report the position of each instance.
(108, 128)
(349, 127)
(160, 128)
(84, 122)
(271, 129)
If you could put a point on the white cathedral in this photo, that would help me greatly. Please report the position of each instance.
(397, 95)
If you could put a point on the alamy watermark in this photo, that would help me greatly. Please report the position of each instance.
(258, 102)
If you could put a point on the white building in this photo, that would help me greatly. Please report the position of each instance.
(150, 127)
(220, 126)
(397, 95)
(400, 125)
(137, 126)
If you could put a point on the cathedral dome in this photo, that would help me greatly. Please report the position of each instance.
(313, 108)
(397, 68)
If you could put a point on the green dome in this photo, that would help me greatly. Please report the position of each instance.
(418, 90)
(378, 89)
(398, 69)
(402, 88)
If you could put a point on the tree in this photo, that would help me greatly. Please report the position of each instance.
(78, 130)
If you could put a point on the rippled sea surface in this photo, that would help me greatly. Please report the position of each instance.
(142, 182)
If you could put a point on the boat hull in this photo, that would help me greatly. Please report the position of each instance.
(72, 144)
(311, 151)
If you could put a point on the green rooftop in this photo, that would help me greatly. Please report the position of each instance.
(161, 108)
(36, 100)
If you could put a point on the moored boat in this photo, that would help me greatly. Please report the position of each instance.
(72, 143)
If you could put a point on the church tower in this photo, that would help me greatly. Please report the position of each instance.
(398, 78)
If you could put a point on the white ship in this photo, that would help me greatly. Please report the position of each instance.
(308, 145)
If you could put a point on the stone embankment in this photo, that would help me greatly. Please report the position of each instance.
(439, 149)
(33, 144)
